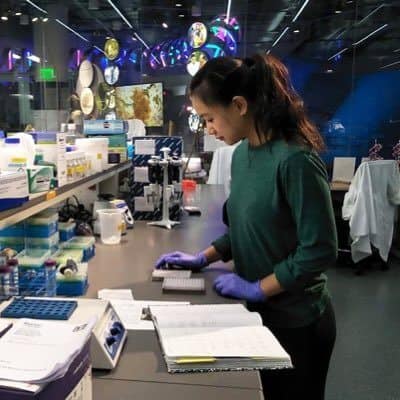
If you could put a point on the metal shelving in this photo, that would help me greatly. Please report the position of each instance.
(41, 201)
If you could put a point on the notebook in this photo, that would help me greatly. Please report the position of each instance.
(160, 274)
(216, 337)
(182, 285)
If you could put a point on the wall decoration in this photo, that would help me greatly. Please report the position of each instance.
(196, 60)
(111, 74)
(111, 49)
(87, 101)
(197, 35)
(144, 102)
(216, 39)
(86, 74)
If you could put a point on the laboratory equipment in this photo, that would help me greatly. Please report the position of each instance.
(108, 336)
(167, 191)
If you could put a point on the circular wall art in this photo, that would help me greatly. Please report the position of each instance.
(111, 74)
(87, 101)
(111, 48)
(86, 73)
(196, 60)
(197, 35)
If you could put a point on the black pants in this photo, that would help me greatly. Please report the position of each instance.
(310, 349)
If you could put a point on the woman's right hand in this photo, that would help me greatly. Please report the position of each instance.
(182, 260)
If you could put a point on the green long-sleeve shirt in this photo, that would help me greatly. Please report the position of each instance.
(281, 221)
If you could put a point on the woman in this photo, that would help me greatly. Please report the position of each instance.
(281, 233)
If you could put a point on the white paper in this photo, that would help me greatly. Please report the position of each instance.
(27, 387)
(343, 169)
(115, 294)
(141, 204)
(146, 146)
(131, 312)
(141, 174)
(38, 351)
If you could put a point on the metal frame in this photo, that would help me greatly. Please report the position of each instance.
(40, 202)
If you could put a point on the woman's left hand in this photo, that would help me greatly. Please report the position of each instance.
(234, 286)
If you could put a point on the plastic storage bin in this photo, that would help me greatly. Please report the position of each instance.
(67, 230)
(15, 243)
(62, 255)
(84, 243)
(33, 277)
(74, 285)
(17, 230)
(42, 225)
(46, 243)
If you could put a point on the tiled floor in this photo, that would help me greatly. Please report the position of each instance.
(366, 359)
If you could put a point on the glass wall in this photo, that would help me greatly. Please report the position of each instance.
(343, 57)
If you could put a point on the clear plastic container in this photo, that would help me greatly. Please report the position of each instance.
(42, 225)
(13, 155)
(66, 230)
(111, 225)
(14, 280)
(48, 243)
(61, 256)
(5, 281)
(50, 276)
(32, 274)
(84, 243)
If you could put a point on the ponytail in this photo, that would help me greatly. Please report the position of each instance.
(277, 110)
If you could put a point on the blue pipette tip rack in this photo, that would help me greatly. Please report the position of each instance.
(39, 309)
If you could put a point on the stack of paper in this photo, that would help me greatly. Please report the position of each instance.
(216, 337)
(132, 312)
(37, 351)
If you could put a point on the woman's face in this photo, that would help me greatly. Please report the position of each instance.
(229, 124)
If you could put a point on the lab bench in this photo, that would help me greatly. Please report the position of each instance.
(141, 371)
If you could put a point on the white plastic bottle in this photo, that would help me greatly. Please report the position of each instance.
(13, 156)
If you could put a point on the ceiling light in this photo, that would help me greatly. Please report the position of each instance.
(280, 37)
(120, 13)
(396, 51)
(18, 13)
(16, 56)
(268, 51)
(178, 4)
(228, 11)
(371, 13)
(181, 15)
(337, 54)
(71, 30)
(134, 39)
(34, 58)
(296, 31)
(4, 18)
(164, 25)
(300, 11)
(34, 19)
(338, 11)
(36, 6)
(329, 71)
(389, 65)
(370, 34)
(45, 19)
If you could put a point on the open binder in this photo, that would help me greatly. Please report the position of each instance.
(216, 337)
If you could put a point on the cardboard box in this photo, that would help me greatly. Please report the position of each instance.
(14, 189)
(39, 178)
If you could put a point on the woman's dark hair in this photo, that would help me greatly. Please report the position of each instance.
(277, 109)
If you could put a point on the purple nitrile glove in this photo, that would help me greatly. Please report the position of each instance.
(234, 286)
(182, 260)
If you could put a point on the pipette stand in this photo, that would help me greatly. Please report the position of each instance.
(165, 221)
